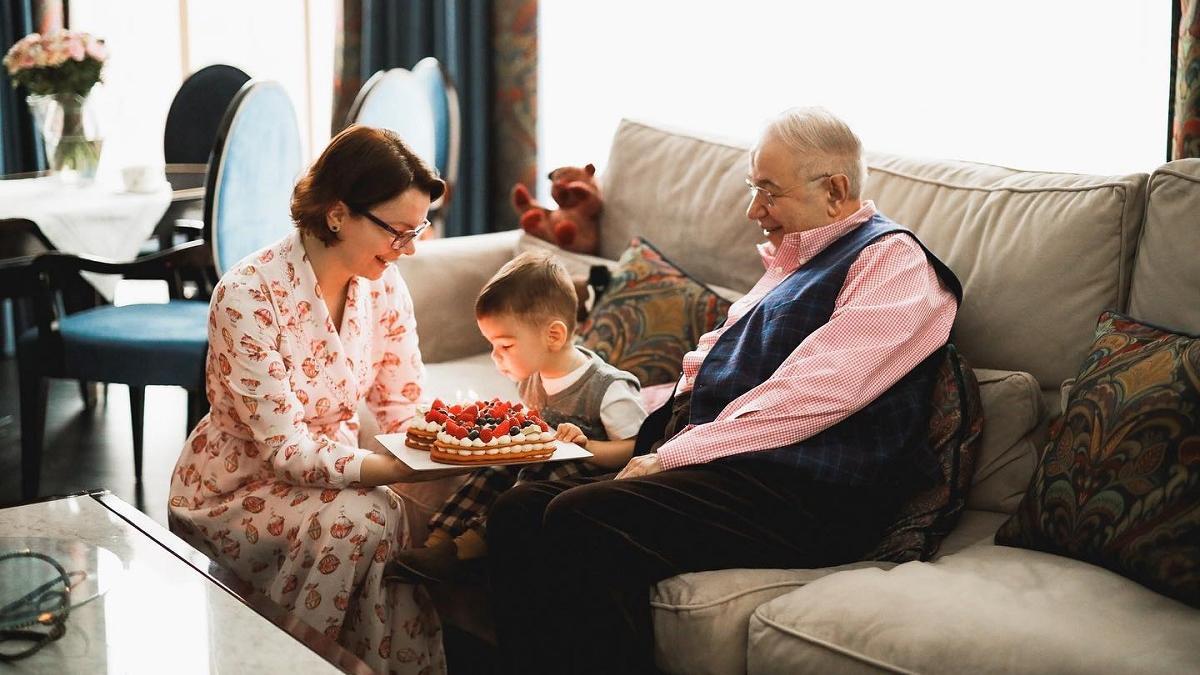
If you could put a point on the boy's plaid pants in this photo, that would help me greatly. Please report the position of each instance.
(468, 507)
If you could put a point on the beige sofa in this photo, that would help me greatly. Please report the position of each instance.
(1040, 255)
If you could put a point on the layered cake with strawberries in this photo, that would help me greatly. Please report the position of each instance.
(422, 430)
(486, 432)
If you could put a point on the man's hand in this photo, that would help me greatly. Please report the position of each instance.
(642, 465)
(569, 433)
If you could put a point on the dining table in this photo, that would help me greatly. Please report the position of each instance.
(100, 218)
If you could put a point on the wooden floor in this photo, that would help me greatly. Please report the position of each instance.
(87, 449)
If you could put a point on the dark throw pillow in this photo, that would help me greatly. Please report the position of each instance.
(1118, 484)
(955, 436)
(650, 315)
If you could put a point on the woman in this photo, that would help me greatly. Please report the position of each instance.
(272, 483)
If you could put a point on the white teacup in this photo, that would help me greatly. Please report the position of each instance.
(142, 178)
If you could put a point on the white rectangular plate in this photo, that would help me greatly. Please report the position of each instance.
(419, 460)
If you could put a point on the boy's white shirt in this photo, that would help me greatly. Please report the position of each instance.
(621, 409)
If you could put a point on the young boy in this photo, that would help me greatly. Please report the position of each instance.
(527, 312)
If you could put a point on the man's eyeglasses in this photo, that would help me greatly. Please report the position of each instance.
(770, 197)
(401, 238)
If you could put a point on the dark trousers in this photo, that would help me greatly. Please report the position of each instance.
(572, 561)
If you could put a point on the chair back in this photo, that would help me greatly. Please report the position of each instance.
(255, 162)
(397, 100)
(196, 113)
(21, 237)
(447, 122)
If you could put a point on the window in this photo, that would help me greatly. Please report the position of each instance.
(1073, 85)
(155, 45)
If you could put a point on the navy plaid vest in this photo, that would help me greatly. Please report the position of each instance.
(863, 448)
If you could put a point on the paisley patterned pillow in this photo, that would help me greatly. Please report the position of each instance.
(1119, 482)
(651, 314)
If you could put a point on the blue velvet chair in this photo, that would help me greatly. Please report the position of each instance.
(251, 172)
(398, 100)
(197, 111)
(447, 120)
(253, 168)
(188, 138)
(422, 107)
(137, 345)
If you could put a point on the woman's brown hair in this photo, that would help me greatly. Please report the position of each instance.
(362, 166)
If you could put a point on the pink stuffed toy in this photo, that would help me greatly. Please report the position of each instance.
(575, 224)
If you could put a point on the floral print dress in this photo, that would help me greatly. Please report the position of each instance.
(266, 484)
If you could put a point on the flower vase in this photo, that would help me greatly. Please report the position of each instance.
(70, 135)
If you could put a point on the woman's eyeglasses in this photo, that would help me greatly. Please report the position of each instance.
(401, 237)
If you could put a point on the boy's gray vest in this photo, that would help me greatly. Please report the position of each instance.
(579, 403)
(864, 448)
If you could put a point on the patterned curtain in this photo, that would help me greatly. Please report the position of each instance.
(489, 49)
(1185, 129)
(516, 104)
(347, 61)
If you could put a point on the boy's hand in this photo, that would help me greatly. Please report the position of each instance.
(642, 465)
(569, 433)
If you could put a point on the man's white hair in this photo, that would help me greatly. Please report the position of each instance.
(822, 143)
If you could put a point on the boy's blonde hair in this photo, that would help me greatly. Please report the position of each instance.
(533, 287)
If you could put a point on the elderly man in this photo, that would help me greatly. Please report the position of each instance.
(796, 431)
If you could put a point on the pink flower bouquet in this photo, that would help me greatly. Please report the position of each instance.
(60, 62)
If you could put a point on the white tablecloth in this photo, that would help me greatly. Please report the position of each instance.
(98, 219)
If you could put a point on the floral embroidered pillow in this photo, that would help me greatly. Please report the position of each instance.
(1118, 484)
(650, 315)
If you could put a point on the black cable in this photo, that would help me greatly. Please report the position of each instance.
(46, 605)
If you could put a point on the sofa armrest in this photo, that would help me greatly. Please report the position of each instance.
(444, 278)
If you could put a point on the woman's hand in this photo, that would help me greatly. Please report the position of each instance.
(642, 465)
(569, 433)
(380, 469)
(385, 469)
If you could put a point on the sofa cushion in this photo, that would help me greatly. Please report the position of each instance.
(1012, 410)
(1165, 273)
(974, 528)
(687, 194)
(577, 264)
(700, 619)
(1119, 482)
(986, 609)
(650, 315)
(1015, 235)
(444, 277)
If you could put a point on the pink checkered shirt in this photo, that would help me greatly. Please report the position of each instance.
(891, 313)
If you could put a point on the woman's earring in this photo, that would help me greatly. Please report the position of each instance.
(334, 227)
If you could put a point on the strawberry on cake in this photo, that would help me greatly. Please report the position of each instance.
(488, 432)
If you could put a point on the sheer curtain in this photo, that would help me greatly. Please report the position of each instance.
(1071, 85)
(154, 45)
